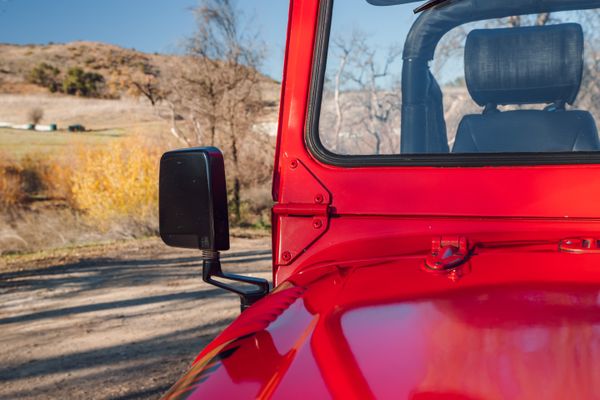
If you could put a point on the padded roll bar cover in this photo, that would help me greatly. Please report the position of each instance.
(432, 25)
(424, 36)
(390, 2)
(525, 65)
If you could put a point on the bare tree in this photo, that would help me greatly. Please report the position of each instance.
(518, 20)
(360, 108)
(379, 99)
(542, 19)
(589, 92)
(215, 98)
(362, 98)
(514, 21)
(35, 115)
(344, 48)
(146, 83)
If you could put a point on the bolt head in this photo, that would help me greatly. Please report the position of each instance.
(294, 164)
(317, 224)
(455, 276)
(319, 199)
(287, 256)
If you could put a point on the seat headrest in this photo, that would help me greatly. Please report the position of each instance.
(526, 65)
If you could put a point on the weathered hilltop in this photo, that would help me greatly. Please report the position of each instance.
(118, 66)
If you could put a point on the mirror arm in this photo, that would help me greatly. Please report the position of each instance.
(211, 267)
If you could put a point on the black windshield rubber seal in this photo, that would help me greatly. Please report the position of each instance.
(428, 5)
(316, 148)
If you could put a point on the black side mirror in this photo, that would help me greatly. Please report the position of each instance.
(193, 213)
(193, 199)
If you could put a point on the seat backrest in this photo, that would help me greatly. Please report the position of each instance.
(525, 65)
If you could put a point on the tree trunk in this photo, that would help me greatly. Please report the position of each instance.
(542, 19)
(213, 133)
(514, 21)
(377, 143)
(338, 106)
(175, 131)
(237, 201)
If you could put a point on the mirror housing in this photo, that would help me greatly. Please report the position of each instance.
(193, 199)
(192, 203)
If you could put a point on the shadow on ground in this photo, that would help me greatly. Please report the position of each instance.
(125, 326)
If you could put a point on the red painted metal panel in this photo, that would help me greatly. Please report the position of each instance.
(525, 323)
(480, 194)
(302, 216)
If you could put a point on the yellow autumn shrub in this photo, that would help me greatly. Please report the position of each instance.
(118, 182)
(10, 185)
(57, 179)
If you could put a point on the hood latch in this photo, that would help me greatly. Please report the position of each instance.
(447, 254)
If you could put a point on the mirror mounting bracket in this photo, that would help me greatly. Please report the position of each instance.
(211, 268)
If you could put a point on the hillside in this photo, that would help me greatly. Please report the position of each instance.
(116, 64)
(116, 105)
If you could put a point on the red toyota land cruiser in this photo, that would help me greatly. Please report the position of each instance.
(436, 231)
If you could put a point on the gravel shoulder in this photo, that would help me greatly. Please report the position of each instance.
(121, 321)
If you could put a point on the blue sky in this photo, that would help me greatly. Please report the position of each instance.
(146, 25)
(160, 25)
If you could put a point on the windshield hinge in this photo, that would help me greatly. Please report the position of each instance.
(303, 214)
(302, 210)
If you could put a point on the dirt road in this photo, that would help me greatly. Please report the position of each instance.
(123, 325)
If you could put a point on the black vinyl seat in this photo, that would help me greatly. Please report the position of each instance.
(527, 65)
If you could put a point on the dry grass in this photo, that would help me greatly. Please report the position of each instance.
(24, 179)
(118, 183)
(95, 114)
(44, 178)
(105, 119)
(62, 189)
(45, 225)
(81, 195)
(10, 186)
(16, 144)
(71, 253)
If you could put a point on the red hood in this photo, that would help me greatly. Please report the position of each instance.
(518, 324)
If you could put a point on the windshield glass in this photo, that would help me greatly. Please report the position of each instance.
(465, 77)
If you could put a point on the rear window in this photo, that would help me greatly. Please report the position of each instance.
(461, 80)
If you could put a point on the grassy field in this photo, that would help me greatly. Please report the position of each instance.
(16, 143)
(105, 120)
(45, 176)
(67, 110)
(60, 189)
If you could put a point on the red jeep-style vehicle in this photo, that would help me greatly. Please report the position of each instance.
(434, 236)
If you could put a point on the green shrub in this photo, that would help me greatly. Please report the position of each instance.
(45, 75)
(86, 84)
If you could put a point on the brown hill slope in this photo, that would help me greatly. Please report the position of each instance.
(119, 106)
(117, 65)
(114, 63)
